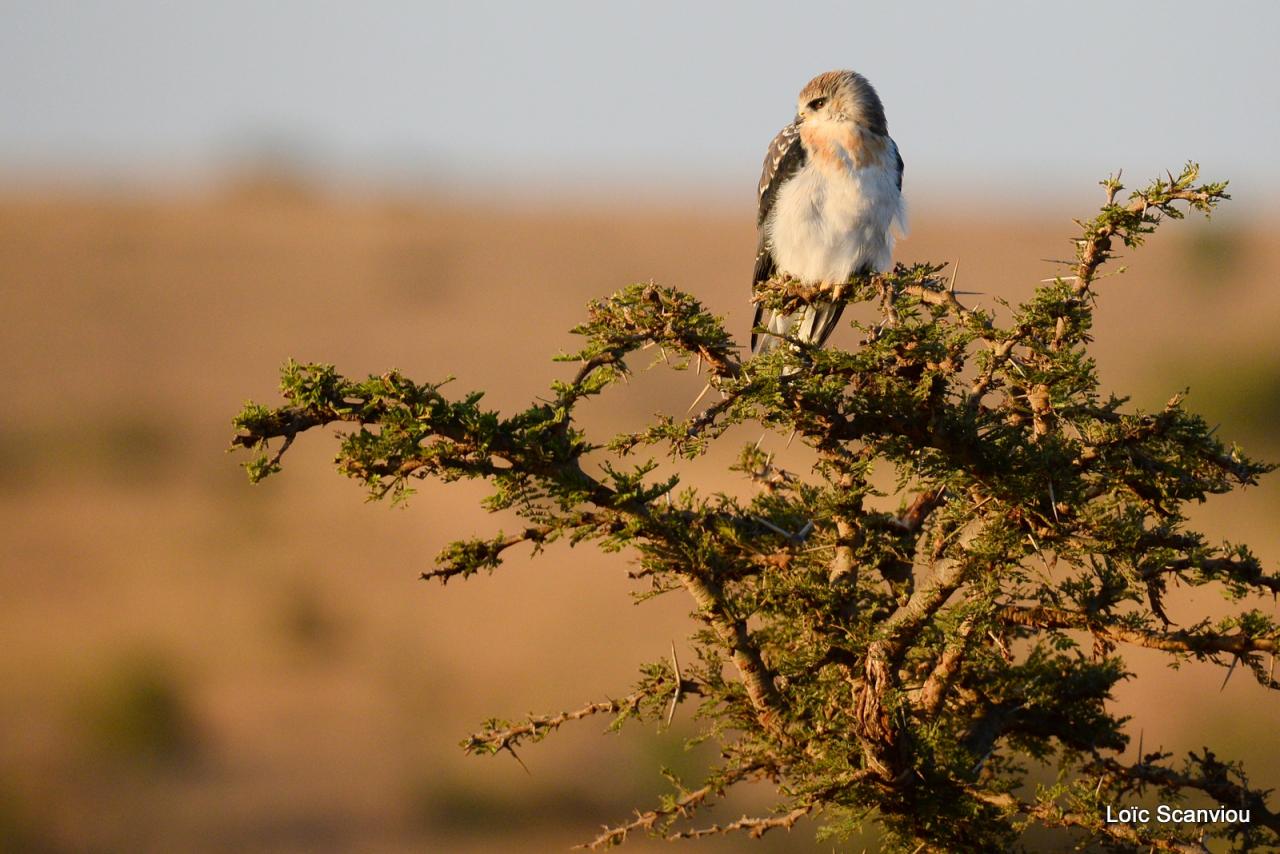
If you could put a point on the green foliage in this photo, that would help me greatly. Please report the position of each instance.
(902, 659)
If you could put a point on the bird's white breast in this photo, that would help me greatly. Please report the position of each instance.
(834, 217)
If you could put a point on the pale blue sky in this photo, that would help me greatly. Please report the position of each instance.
(998, 98)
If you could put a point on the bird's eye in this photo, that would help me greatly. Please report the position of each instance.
(817, 104)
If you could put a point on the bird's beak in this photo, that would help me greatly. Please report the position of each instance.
(799, 118)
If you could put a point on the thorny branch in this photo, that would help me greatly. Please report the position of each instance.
(1238, 643)
(860, 658)
(499, 736)
(680, 806)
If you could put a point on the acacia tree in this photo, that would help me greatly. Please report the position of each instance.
(905, 666)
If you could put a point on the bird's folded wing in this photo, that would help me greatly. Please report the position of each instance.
(784, 158)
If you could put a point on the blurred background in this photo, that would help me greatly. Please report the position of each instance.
(191, 193)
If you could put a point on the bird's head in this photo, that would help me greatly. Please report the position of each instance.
(841, 97)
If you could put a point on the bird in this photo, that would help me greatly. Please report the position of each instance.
(830, 198)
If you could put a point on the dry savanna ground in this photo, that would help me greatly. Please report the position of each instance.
(192, 664)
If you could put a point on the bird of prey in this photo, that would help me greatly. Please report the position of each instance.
(830, 196)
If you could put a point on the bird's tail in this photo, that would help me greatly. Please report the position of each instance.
(812, 324)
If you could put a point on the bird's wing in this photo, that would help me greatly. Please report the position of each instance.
(784, 159)
(900, 216)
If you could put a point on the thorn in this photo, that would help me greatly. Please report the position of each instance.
(954, 271)
(699, 369)
(773, 527)
(706, 388)
(1004, 650)
(676, 695)
(1040, 553)
(789, 438)
(1053, 503)
(761, 439)
(512, 751)
(1232, 669)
